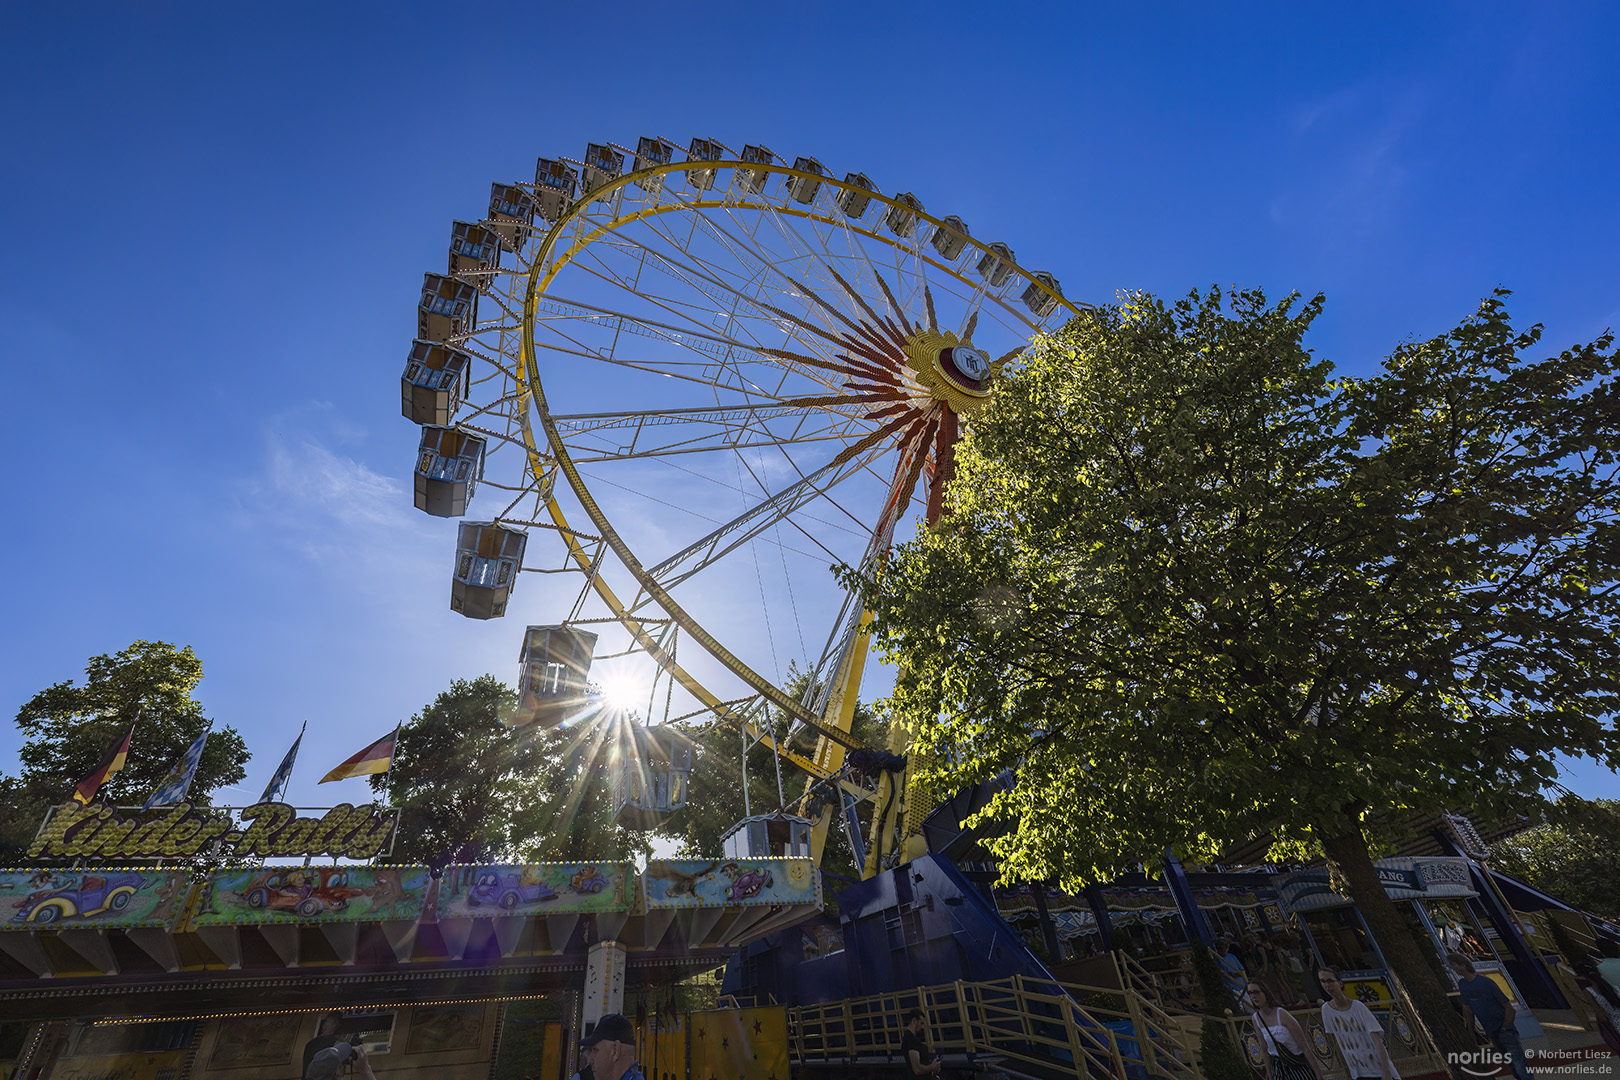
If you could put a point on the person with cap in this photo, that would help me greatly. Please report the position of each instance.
(610, 1049)
(330, 1062)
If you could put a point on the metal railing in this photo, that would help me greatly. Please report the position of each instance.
(1018, 1021)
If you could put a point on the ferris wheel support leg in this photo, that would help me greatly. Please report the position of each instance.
(840, 715)
(885, 820)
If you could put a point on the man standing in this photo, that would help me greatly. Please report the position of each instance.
(1492, 1009)
(609, 1050)
(1356, 1030)
(326, 1034)
(914, 1048)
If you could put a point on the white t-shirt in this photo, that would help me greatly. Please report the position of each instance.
(1359, 1037)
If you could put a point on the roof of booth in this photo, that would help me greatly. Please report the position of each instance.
(291, 933)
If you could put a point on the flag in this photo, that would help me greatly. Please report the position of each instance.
(278, 782)
(174, 786)
(86, 789)
(373, 759)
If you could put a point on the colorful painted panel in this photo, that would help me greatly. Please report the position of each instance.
(748, 1044)
(535, 889)
(99, 898)
(255, 1042)
(687, 883)
(297, 894)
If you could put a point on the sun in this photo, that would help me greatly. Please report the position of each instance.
(622, 691)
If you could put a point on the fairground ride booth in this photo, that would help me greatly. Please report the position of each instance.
(144, 971)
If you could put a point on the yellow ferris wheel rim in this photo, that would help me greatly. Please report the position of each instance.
(540, 274)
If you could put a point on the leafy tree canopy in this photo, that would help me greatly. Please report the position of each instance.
(1194, 589)
(68, 728)
(1573, 856)
(471, 789)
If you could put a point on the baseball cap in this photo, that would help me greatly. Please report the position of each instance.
(612, 1027)
(327, 1063)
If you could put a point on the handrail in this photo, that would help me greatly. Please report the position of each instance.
(1034, 1021)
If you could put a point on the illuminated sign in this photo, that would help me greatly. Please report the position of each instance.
(98, 831)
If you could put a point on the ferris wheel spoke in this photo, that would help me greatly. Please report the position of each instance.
(763, 515)
(720, 428)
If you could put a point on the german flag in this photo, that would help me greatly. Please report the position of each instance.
(373, 759)
(86, 789)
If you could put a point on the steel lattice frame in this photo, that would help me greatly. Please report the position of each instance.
(751, 339)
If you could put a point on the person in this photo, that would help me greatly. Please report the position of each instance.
(1356, 1031)
(610, 1049)
(1487, 1004)
(1282, 1038)
(1609, 966)
(330, 1061)
(1606, 1000)
(914, 1047)
(326, 1034)
(1231, 967)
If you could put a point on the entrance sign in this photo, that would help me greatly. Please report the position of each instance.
(99, 831)
(1403, 878)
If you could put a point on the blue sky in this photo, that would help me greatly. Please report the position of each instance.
(218, 216)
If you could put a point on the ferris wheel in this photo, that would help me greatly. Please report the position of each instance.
(706, 378)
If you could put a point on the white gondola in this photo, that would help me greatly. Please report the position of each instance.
(488, 558)
(951, 237)
(902, 219)
(768, 836)
(474, 249)
(650, 775)
(447, 309)
(703, 150)
(554, 184)
(997, 264)
(804, 188)
(1041, 302)
(603, 164)
(754, 179)
(651, 153)
(554, 667)
(449, 464)
(511, 214)
(433, 384)
(853, 202)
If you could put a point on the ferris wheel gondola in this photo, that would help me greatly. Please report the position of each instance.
(710, 379)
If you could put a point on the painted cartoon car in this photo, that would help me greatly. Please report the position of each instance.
(92, 895)
(309, 891)
(587, 879)
(508, 889)
(746, 882)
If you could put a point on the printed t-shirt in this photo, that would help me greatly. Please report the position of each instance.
(1359, 1037)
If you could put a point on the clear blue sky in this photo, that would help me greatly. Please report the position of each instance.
(217, 217)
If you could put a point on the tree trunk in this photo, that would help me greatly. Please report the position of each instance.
(1419, 987)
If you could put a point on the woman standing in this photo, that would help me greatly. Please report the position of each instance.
(1281, 1037)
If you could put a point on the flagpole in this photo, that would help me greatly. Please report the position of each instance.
(388, 777)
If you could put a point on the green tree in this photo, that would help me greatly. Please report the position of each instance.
(470, 789)
(1573, 856)
(1194, 590)
(68, 727)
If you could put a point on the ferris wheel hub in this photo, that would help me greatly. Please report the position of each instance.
(952, 370)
